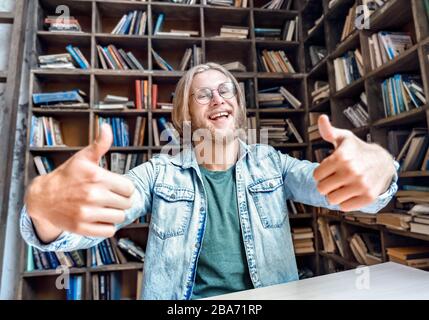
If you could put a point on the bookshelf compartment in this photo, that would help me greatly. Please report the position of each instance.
(163, 47)
(55, 158)
(215, 18)
(44, 288)
(81, 10)
(272, 19)
(295, 87)
(119, 85)
(312, 12)
(165, 92)
(117, 285)
(109, 14)
(177, 18)
(138, 46)
(241, 52)
(292, 54)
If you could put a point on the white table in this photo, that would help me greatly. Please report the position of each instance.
(388, 281)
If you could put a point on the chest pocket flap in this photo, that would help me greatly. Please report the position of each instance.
(174, 193)
(266, 185)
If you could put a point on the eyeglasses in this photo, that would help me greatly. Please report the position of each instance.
(204, 95)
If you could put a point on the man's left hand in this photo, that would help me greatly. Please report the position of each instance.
(356, 173)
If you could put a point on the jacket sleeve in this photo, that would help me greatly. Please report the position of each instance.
(302, 187)
(143, 179)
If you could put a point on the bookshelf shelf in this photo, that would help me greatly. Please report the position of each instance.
(318, 70)
(308, 254)
(363, 225)
(352, 89)
(51, 272)
(408, 234)
(301, 216)
(414, 115)
(55, 149)
(351, 42)
(321, 106)
(117, 267)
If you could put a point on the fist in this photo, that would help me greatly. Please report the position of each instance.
(356, 173)
(79, 196)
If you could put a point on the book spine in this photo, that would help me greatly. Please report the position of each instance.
(76, 57)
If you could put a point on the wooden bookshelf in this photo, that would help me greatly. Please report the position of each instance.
(409, 16)
(97, 19)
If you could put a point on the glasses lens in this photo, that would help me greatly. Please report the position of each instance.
(203, 96)
(227, 90)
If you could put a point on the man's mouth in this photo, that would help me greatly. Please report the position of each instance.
(219, 115)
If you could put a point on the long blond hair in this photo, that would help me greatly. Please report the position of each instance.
(181, 113)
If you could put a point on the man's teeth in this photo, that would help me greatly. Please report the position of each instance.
(218, 115)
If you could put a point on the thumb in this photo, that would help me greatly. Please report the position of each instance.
(328, 132)
(100, 146)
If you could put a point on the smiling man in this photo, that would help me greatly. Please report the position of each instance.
(219, 217)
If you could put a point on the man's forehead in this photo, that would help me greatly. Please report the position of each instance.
(209, 78)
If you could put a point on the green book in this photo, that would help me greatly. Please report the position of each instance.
(427, 8)
(30, 260)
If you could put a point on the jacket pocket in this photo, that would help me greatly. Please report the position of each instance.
(270, 201)
(172, 208)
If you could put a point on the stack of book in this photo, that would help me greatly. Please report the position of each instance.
(75, 289)
(321, 92)
(132, 23)
(236, 32)
(117, 59)
(45, 132)
(119, 127)
(357, 114)
(313, 128)
(164, 132)
(278, 5)
(366, 248)
(278, 131)
(401, 93)
(164, 65)
(288, 31)
(112, 102)
(350, 23)
(326, 235)
(62, 24)
(365, 218)
(274, 61)
(303, 240)
(63, 61)
(317, 54)
(416, 256)
(107, 252)
(385, 46)
(236, 66)
(142, 94)
(348, 69)
(64, 99)
(44, 165)
(131, 248)
(410, 148)
(191, 58)
(394, 220)
(278, 97)
(45, 260)
(420, 217)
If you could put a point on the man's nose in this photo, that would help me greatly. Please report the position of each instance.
(217, 98)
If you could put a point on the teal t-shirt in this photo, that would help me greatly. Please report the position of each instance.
(222, 265)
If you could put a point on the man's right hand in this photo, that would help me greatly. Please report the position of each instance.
(79, 196)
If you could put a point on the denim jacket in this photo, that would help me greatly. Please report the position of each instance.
(171, 189)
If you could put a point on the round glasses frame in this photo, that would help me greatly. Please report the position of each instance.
(230, 93)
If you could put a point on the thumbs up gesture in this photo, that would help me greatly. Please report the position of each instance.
(356, 173)
(79, 196)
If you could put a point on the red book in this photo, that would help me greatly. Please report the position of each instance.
(154, 95)
(139, 95)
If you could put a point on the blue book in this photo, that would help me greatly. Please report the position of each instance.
(77, 295)
(76, 57)
(272, 89)
(161, 62)
(53, 261)
(48, 164)
(65, 96)
(126, 26)
(70, 289)
(158, 24)
(34, 122)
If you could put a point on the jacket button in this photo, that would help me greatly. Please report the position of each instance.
(271, 185)
(173, 196)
